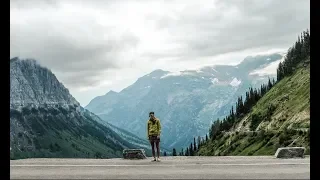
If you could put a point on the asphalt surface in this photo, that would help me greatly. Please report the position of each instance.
(221, 167)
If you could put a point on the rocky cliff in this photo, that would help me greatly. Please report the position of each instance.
(46, 121)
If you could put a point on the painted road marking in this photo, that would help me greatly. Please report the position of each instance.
(144, 165)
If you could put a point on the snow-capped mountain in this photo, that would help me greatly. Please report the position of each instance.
(186, 102)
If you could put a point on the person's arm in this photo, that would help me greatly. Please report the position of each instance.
(159, 127)
(148, 129)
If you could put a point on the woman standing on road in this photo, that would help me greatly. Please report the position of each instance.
(154, 131)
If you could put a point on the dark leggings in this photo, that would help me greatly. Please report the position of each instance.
(157, 146)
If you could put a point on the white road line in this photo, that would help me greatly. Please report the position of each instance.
(144, 165)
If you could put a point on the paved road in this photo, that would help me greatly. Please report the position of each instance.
(223, 167)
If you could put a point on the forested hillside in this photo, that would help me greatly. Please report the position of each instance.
(275, 115)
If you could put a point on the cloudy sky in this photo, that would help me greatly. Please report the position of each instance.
(100, 45)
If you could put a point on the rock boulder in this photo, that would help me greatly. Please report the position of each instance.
(134, 154)
(290, 152)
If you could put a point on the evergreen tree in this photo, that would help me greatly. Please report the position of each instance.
(191, 150)
(295, 54)
(232, 115)
(216, 128)
(273, 82)
(187, 152)
(202, 141)
(174, 153)
(194, 145)
(199, 142)
(280, 72)
(206, 137)
(269, 84)
(182, 153)
(246, 107)
(241, 106)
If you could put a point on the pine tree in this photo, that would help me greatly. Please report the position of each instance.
(174, 153)
(211, 131)
(273, 82)
(194, 145)
(232, 114)
(307, 41)
(199, 142)
(187, 152)
(269, 84)
(182, 153)
(295, 54)
(280, 72)
(191, 150)
(256, 96)
(241, 106)
(206, 137)
(246, 105)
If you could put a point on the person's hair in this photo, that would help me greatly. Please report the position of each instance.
(151, 113)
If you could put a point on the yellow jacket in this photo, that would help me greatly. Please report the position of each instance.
(154, 128)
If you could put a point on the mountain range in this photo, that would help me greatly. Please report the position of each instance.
(186, 102)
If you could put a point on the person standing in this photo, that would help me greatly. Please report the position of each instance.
(154, 131)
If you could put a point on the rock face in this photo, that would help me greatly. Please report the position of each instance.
(31, 84)
(134, 154)
(290, 152)
(185, 102)
(46, 121)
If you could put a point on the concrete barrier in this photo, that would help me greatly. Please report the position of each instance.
(134, 154)
(290, 152)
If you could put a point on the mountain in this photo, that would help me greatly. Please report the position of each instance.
(278, 115)
(46, 121)
(287, 126)
(186, 102)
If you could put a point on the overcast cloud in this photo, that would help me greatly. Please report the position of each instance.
(95, 46)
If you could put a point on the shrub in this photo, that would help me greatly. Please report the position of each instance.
(98, 155)
(256, 119)
(287, 143)
(270, 143)
(36, 144)
(54, 147)
(282, 138)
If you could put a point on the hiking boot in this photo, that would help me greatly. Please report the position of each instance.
(158, 160)
(154, 160)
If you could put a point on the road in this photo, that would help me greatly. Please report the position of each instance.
(218, 167)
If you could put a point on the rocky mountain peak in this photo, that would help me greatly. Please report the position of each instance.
(30, 83)
(185, 101)
(111, 92)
